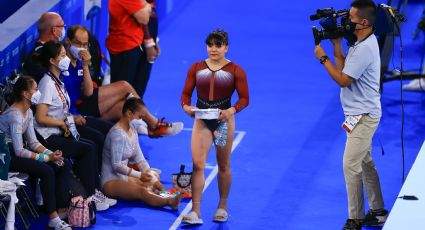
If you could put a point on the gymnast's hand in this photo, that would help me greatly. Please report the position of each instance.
(56, 157)
(145, 177)
(188, 110)
(79, 120)
(225, 115)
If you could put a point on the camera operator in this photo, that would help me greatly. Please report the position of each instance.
(358, 76)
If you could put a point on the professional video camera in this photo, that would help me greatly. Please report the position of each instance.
(386, 17)
(329, 21)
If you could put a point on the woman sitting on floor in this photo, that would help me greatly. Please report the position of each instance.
(122, 145)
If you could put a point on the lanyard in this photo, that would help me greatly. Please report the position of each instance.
(61, 94)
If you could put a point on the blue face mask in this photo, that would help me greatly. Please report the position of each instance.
(63, 34)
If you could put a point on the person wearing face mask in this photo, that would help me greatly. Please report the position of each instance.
(54, 122)
(106, 101)
(50, 26)
(358, 75)
(78, 81)
(36, 160)
(121, 146)
(215, 80)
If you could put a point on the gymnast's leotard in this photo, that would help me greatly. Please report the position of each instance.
(215, 88)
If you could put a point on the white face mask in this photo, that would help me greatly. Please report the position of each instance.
(35, 97)
(75, 52)
(64, 63)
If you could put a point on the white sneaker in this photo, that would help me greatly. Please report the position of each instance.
(100, 202)
(415, 85)
(111, 202)
(140, 126)
(62, 225)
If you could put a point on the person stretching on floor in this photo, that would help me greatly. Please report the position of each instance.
(121, 146)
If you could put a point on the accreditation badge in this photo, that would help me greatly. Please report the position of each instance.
(350, 122)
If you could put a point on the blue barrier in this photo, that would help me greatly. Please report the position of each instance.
(13, 54)
(14, 50)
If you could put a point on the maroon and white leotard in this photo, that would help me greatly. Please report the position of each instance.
(216, 85)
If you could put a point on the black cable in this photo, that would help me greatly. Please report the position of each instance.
(401, 99)
(421, 65)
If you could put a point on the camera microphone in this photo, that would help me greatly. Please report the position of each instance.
(389, 8)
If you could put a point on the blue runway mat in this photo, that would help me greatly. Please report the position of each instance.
(287, 169)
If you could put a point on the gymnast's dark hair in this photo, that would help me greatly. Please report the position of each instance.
(23, 83)
(132, 104)
(218, 37)
(50, 49)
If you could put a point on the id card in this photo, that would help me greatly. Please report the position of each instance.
(351, 122)
(69, 120)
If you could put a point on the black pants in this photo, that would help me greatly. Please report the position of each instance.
(53, 179)
(131, 66)
(84, 155)
(95, 130)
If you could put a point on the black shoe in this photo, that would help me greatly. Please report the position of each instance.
(352, 225)
(375, 217)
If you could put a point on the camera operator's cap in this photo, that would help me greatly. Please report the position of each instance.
(207, 114)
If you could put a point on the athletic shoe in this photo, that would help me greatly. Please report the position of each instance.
(375, 217)
(352, 225)
(140, 126)
(164, 128)
(61, 225)
(111, 202)
(415, 85)
(100, 202)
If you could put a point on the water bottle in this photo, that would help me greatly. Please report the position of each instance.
(221, 137)
(38, 195)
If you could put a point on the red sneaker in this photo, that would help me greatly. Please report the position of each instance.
(164, 129)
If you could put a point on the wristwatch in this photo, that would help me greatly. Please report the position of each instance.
(323, 59)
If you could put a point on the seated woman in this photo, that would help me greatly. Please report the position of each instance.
(53, 110)
(106, 101)
(122, 145)
(37, 161)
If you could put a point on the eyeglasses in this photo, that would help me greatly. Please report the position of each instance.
(64, 25)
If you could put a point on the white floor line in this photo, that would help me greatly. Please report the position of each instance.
(211, 176)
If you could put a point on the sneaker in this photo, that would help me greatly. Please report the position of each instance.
(111, 202)
(140, 126)
(164, 128)
(415, 85)
(100, 202)
(61, 225)
(375, 217)
(352, 225)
